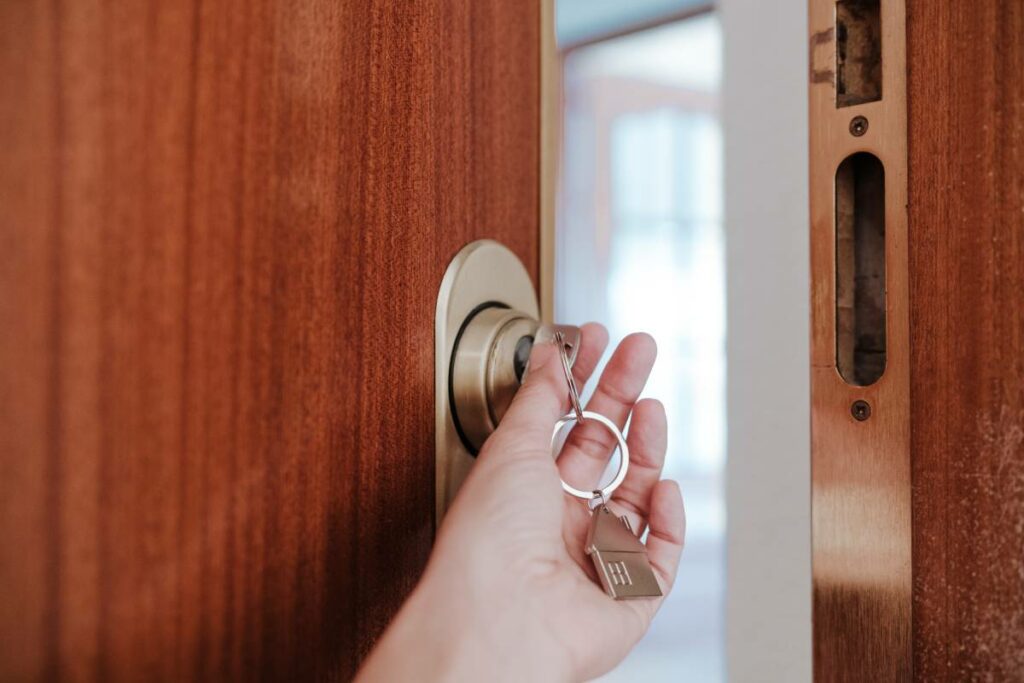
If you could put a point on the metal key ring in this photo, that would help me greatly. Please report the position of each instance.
(606, 491)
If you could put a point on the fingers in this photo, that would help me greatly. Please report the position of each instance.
(647, 441)
(667, 531)
(593, 341)
(588, 446)
(544, 396)
(664, 546)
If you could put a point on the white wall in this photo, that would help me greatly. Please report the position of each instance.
(768, 612)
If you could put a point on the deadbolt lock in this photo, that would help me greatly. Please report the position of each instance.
(489, 363)
(487, 323)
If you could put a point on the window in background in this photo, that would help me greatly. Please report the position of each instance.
(640, 247)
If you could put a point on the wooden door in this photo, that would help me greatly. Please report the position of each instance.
(966, 191)
(223, 229)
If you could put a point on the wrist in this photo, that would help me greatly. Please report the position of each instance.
(447, 631)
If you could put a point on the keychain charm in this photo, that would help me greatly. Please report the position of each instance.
(618, 555)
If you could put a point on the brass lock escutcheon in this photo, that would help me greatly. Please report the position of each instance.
(486, 324)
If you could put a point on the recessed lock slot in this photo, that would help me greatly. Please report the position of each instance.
(858, 52)
(860, 269)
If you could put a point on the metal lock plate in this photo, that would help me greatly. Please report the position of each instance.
(484, 282)
(486, 322)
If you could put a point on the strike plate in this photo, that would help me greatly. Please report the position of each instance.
(860, 434)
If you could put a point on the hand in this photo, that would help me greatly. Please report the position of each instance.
(509, 593)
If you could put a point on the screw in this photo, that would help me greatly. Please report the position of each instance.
(861, 410)
(858, 126)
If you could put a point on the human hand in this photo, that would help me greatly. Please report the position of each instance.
(509, 593)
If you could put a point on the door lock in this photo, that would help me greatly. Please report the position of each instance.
(486, 325)
(489, 363)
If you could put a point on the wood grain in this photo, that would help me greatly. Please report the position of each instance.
(966, 91)
(223, 231)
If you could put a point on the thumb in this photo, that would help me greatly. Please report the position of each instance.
(539, 403)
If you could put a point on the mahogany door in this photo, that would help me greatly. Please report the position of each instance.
(966, 264)
(223, 230)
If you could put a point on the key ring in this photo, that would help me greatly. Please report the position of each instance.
(605, 492)
(574, 394)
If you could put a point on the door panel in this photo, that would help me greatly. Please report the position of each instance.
(966, 138)
(224, 227)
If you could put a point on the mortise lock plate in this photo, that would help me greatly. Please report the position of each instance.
(485, 327)
(860, 341)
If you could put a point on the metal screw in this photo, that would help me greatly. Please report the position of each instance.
(861, 410)
(858, 126)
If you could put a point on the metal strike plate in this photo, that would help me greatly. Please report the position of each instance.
(486, 306)
(860, 341)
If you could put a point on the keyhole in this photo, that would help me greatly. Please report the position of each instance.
(522, 356)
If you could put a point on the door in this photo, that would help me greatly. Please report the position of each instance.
(223, 231)
(966, 264)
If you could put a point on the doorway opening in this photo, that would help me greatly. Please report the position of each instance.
(640, 247)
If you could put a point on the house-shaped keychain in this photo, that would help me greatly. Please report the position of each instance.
(619, 557)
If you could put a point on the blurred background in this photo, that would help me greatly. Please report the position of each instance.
(658, 231)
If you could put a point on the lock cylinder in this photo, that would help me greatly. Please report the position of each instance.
(488, 364)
